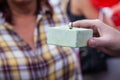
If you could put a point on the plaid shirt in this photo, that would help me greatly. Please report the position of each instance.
(48, 62)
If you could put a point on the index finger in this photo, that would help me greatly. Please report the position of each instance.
(85, 23)
(90, 24)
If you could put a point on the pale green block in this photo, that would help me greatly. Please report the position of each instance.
(63, 36)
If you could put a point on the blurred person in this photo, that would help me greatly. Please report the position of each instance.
(109, 9)
(81, 9)
(24, 53)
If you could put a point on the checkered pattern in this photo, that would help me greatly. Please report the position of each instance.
(19, 62)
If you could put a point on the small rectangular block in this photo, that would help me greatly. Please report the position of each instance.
(63, 36)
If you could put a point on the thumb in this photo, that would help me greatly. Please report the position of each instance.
(97, 42)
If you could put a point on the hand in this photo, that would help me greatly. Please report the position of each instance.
(108, 39)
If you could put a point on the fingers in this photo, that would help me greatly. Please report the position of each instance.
(105, 41)
(90, 24)
(86, 23)
(97, 42)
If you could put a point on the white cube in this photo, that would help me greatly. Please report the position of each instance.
(63, 36)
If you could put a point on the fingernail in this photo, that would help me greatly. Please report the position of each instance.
(91, 42)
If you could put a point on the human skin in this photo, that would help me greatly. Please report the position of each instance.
(108, 39)
(24, 18)
(84, 7)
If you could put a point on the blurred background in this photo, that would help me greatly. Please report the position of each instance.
(95, 65)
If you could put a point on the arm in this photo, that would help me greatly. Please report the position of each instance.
(84, 7)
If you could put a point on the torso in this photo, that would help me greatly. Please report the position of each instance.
(25, 29)
(18, 61)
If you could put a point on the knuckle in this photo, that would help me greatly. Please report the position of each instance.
(97, 21)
